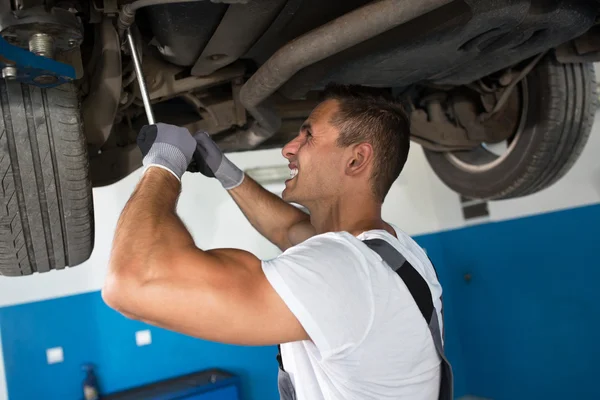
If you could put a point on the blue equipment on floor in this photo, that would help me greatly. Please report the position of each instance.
(213, 384)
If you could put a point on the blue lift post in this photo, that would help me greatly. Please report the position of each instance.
(23, 66)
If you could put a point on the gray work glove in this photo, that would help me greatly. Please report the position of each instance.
(211, 161)
(166, 146)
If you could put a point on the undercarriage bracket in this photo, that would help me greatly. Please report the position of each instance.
(23, 66)
(30, 40)
(585, 48)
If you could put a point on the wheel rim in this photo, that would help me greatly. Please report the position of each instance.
(485, 157)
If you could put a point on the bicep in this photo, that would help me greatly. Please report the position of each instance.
(219, 295)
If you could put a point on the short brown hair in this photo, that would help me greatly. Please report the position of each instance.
(371, 115)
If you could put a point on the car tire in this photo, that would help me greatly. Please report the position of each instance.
(558, 104)
(46, 218)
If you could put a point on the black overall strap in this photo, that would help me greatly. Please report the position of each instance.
(419, 289)
(279, 359)
(415, 283)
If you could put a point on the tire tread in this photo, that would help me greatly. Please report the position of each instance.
(47, 213)
(563, 127)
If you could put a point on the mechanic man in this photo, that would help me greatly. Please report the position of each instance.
(350, 327)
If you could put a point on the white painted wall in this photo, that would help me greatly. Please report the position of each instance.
(417, 203)
(215, 221)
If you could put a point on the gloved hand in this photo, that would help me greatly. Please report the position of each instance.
(166, 146)
(211, 162)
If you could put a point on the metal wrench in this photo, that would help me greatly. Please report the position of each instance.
(193, 167)
(137, 64)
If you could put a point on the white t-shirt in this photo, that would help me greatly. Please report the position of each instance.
(369, 339)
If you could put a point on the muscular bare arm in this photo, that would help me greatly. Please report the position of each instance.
(158, 275)
(281, 223)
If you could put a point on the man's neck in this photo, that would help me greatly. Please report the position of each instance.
(350, 214)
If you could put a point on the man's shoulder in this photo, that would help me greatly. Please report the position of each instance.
(340, 244)
(402, 242)
(335, 239)
(332, 249)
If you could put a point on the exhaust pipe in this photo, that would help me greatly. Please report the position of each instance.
(340, 34)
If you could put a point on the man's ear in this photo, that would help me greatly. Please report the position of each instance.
(360, 157)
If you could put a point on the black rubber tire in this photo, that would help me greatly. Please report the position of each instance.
(562, 102)
(46, 218)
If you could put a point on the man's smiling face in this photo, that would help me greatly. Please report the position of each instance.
(315, 159)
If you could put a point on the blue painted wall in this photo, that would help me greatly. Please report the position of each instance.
(524, 327)
(89, 331)
(452, 313)
(529, 319)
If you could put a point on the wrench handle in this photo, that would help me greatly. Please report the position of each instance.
(140, 77)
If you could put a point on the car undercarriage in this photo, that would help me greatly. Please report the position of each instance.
(500, 93)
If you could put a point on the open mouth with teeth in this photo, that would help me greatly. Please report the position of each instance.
(293, 173)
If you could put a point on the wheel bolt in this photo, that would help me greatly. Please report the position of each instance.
(42, 44)
(9, 73)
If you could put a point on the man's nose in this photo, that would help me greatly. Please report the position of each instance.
(291, 148)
